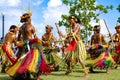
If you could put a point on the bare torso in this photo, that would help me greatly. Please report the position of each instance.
(98, 39)
(76, 30)
(48, 39)
(116, 37)
(10, 38)
(27, 32)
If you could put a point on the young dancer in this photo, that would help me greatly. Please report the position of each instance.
(75, 48)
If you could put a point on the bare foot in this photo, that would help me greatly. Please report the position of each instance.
(86, 75)
(108, 72)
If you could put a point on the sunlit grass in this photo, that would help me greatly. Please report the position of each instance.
(77, 74)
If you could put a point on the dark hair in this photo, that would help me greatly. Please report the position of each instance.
(24, 17)
(13, 26)
(49, 27)
(77, 20)
(96, 27)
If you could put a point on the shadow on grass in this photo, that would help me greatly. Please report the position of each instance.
(62, 73)
(58, 73)
(95, 71)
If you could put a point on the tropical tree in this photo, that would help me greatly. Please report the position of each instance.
(119, 11)
(86, 11)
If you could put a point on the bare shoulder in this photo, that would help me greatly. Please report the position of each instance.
(93, 35)
(30, 27)
(12, 35)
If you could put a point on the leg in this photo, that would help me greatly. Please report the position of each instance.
(108, 71)
(38, 76)
(3, 68)
(83, 66)
(82, 51)
(91, 69)
(69, 69)
(68, 62)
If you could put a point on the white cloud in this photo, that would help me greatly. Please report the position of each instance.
(37, 2)
(103, 26)
(15, 13)
(52, 15)
(54, 3)
(2, 2)
(11, 3)
(40, 29)
(104, 30)
(12, 17)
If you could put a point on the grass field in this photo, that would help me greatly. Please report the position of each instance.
(76, 75)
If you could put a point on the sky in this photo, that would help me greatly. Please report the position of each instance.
(49, 12)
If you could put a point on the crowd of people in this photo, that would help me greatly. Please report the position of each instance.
(24, 54)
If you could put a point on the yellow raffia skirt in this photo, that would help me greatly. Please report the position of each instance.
(78, 53)
(7, 54)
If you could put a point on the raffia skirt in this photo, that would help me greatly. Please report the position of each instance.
(78, 54)
(33, 62)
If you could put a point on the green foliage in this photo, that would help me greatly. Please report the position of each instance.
(118, 20)
(86, 11)
(118, 8)
(119, 11)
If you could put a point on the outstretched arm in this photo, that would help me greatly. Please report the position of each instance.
(59, 32)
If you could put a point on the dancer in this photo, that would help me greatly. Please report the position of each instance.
(50, 48)
(31, 61)
(7, 48)
(99, 51)
(98, 38)
(116, 39)
(75, 49)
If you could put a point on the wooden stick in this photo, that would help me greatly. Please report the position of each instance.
(108, 30)
(59, 34)
(57, 27)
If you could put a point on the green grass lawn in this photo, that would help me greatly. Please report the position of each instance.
(76, 75)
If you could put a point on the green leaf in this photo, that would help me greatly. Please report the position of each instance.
(118, 20)
(105, 11)
(118, 8)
